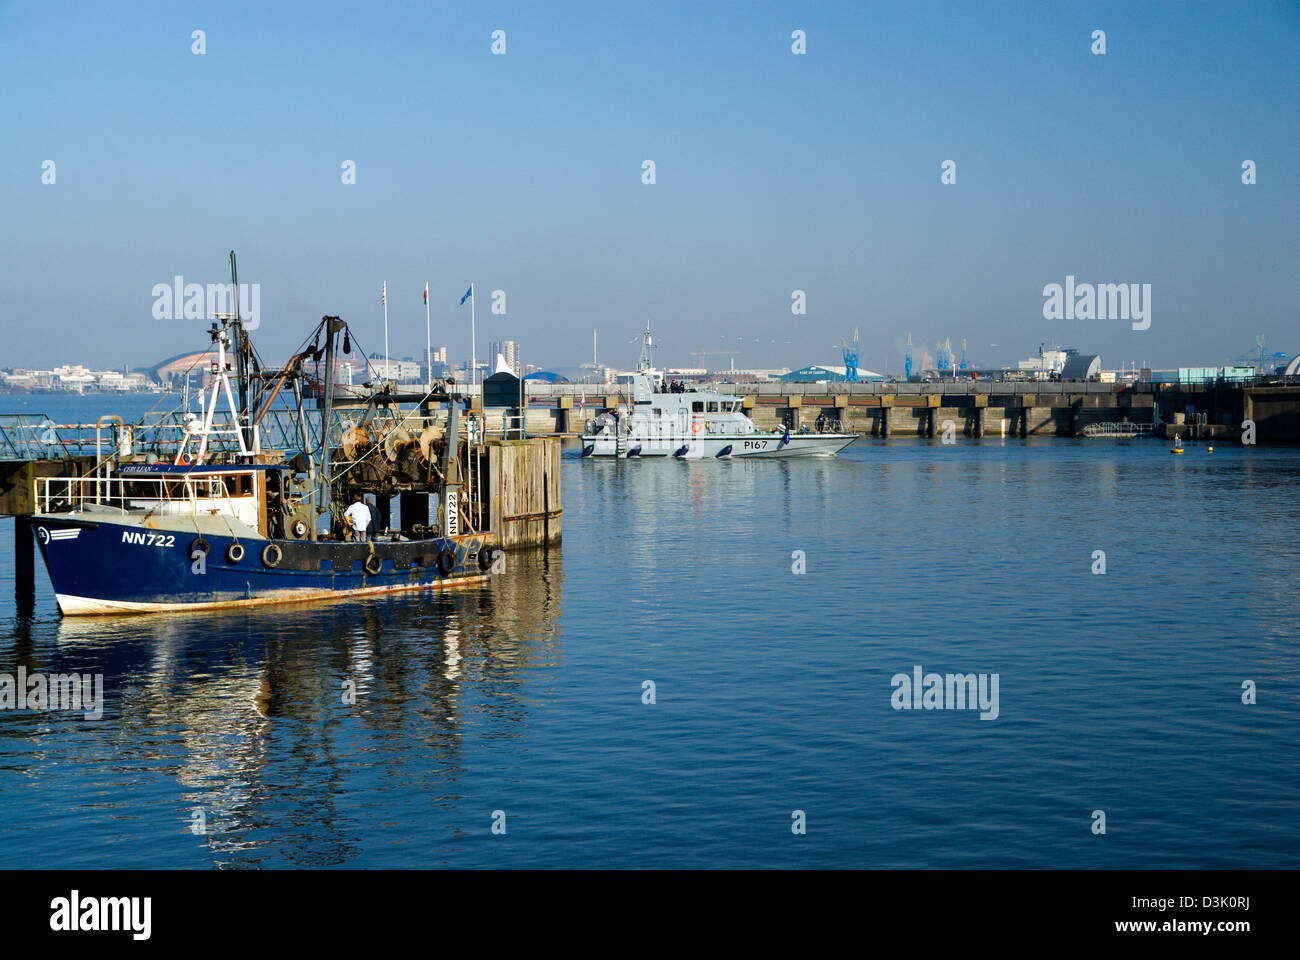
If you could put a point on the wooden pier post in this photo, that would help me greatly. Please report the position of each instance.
(24, 567)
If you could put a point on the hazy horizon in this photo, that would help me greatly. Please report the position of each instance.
(775, 172)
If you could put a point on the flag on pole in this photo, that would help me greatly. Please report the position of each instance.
(467, 293)
(426, 294)
(383, 294)
(582, 401)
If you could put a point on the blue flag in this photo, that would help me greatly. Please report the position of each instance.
(786, 438)
(467, 293)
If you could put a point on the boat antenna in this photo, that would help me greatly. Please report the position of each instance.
(646, 360)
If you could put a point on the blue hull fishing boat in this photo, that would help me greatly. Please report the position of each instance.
(134, 552)
(216, 522)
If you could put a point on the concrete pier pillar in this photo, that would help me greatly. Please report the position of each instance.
(841, 401)
(933, 415)
(794, 404)
(1074, 418)
(886, 415)
(978, 425)
(1025, 414)
(24, 567)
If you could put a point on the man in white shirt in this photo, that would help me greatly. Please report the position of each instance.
(357, 517)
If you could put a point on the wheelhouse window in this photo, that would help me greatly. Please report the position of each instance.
(140, 490)
(697, 406)
(239, 485)
(713, 406)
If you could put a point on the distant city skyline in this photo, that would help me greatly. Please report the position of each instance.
(913, 171)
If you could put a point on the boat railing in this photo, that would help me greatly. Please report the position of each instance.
(828, 425)
(1116, 429)
(123, 492)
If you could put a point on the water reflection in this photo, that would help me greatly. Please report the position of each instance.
(250, 714)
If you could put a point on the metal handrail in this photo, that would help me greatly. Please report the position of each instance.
(1116, 428)
(98, 489)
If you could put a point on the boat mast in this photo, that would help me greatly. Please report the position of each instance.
(646, 360)
(241, 359)
(332, 326)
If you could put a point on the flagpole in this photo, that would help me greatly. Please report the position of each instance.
(473, 340)
(428, 340)
(388, 369)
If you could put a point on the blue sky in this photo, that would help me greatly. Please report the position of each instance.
(775, 172)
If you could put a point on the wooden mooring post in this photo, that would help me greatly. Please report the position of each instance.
(24, 567)
(524, 501)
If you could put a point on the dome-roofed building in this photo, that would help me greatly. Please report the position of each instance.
(1082, 366)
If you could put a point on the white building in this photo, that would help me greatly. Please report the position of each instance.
(1045, 364)
(508, 349)
(397, 371)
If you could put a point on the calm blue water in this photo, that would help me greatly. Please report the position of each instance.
(1119, 692)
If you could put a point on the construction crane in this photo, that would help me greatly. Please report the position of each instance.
(699, 356)
(907, 364)
(944, 362)
(851, 358)
(1263, 362)
(963, 353)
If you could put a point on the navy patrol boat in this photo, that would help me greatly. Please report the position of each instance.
(697, 424)
(221, 524)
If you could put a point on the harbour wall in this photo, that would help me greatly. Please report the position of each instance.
(974, 409)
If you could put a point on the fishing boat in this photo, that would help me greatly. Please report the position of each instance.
(693, 424)
(216, 521)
